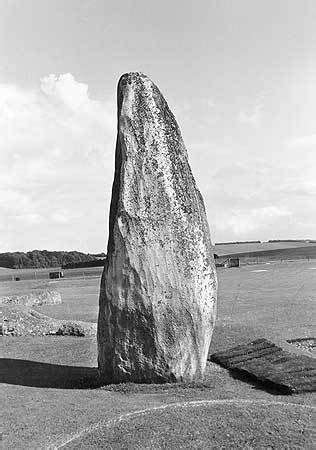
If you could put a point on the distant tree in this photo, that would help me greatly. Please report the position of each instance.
(42, 258)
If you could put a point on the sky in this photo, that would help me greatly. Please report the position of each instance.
(240, 77)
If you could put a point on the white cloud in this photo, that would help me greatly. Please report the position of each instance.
(62, 216)
(27, 218)
(251, 116)
(66, 89)
(262, 198)
(303, 141)
(242, 222)
(56, 145)
(210, 103)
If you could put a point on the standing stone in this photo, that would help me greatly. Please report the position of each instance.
(158, 289)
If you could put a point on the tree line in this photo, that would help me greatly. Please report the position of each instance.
(43, 258)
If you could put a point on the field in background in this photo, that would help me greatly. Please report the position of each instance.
(43, 274)
(228, 249)
(271, 300)
(284, 254)
(249, 253)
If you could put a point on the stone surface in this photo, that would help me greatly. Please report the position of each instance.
(271, 366)
(158, 289)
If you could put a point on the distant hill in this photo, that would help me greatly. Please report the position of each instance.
(250, 247)
(307, 241)
(303, 252)
(239, 242)
(43, 258)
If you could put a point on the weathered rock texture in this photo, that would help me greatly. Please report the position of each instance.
(36, 298)
(158, 289)
(20, 320)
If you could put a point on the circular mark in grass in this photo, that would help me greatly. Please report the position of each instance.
(202, 424)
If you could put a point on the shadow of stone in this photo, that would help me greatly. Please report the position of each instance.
(43, 375)
(260, 385)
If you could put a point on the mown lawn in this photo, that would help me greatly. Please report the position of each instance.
(45, 404)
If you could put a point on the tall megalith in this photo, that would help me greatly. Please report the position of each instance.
(158, 289)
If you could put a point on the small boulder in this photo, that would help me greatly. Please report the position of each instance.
(34, 298)
(70, 329)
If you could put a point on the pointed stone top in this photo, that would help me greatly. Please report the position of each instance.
(136, 82)
(140, 101)
(132, 76)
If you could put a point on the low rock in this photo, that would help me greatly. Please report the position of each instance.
(19, 320)
(35, 298)
(70, 329)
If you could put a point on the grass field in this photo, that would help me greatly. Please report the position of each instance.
(79, 296)
(45, 407)
(268, 291)
(43, 274)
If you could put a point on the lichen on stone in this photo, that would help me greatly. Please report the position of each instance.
(159, 282)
